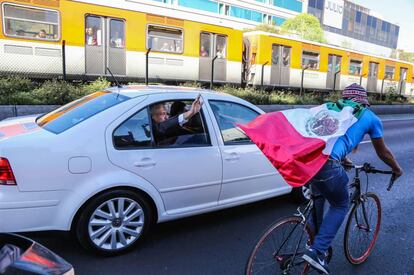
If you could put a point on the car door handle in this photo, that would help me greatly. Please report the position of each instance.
(232, 156)
(145, 163)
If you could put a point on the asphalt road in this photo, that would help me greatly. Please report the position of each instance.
(220, 242)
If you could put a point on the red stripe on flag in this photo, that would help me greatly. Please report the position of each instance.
(297, 158)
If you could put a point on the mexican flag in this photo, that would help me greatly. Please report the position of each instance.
(298, 142)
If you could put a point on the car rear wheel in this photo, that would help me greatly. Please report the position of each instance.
(114, 222)
(301, 194)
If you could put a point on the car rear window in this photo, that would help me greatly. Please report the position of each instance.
(79, 110)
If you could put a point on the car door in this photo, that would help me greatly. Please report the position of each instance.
(247, 173)
(188, 176)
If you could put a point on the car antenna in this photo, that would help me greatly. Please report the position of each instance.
(116, 81)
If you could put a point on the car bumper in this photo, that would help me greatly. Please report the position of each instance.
(29, 211)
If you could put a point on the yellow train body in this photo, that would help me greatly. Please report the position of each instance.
(190, 64)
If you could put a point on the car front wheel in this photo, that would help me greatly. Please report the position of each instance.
(114, 222)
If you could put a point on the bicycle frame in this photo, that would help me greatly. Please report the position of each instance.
(358, 198)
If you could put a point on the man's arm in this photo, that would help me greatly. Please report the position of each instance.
(172, 126)
(386, 155)
(195, 108)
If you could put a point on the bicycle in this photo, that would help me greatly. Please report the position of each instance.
(281, 247)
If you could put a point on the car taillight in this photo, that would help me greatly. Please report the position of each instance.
(6, 173)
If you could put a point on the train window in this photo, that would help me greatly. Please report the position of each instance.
(31, 23)
(334, 63)
(310, 60)
(221, 46)
(93, 31)
(164, 39)
(373, 69)
(205, 44)
(117, 34)
(355, 67)
(403, 73)
(286, 56)
(389, 72)
(275, 54)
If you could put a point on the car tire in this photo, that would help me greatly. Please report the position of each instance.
(301, 194)
(114, 222)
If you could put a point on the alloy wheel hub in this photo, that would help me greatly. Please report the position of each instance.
(116, 224)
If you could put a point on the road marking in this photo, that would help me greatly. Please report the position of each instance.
(365, 141)
(396, 118)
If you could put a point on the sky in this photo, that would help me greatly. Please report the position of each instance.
(400, 12)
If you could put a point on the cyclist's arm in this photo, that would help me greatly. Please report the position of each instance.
(385, 154)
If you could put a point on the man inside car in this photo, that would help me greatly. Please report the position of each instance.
(165, 127)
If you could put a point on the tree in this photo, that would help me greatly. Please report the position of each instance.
(306, 26)
(265, 28)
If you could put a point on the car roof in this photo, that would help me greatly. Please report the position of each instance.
(139, 90)
(132, 91)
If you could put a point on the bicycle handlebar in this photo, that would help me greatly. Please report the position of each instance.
(369, 169)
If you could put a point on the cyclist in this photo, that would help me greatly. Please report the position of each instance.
(331, 182)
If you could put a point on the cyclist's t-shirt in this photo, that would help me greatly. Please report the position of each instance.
(368, 123)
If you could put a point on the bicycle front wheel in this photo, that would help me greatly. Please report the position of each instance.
(275, 251)
(362, 228)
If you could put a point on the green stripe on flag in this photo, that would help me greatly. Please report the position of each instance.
(340, 104)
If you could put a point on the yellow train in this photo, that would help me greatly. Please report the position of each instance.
(286, 61)
(117, 34)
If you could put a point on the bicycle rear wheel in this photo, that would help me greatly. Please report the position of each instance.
(274, 252)
(362, 228)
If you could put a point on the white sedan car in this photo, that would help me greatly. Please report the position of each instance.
(95, 166)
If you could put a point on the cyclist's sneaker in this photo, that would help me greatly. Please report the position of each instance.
(308, 245)
(316, 260)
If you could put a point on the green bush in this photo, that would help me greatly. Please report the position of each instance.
(24, 98)
(249, 94)
(18, 90)
(11, 86)
(259, 97)
(21, 90)
(57, 92)
(98, 85)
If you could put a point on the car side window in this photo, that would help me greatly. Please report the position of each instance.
(228, 115)
(168, 132)
(134, 132)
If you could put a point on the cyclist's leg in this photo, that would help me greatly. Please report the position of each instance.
(318, 207)
(335, 190)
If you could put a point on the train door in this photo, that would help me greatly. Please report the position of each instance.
(334, 66)
(104, 45)
(372, 76)
(212, 45)
(403, 77)
(280, 69)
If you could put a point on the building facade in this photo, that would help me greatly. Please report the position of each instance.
(346, 24)
(353, 26)
(240, 13)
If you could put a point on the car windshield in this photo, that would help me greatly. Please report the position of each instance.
(79, 110)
